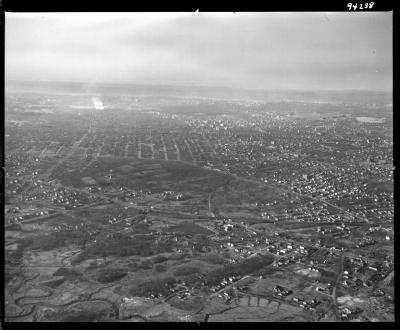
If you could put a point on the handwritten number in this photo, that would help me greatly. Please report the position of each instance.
(360, 6)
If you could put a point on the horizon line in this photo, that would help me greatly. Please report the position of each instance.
(199, 86)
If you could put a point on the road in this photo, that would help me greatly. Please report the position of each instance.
(190, 152)
(229, 286)
(74, 148)
(211, 213)
(316, 199)
(177, 151)
(340, 272)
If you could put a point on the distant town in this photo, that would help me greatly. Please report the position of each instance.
(142, 207)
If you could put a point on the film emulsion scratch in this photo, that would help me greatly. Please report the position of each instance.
(199, 167)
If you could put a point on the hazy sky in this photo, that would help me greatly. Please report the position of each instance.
(250, 50)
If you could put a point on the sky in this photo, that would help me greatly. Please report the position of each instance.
(300, 51)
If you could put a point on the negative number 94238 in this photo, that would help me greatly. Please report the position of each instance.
(360, 6)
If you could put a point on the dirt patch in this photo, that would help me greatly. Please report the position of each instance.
(88, 180)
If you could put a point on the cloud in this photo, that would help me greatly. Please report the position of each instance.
(262, 50)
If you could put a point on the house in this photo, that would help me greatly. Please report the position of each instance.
(228, 227)
(281, 291)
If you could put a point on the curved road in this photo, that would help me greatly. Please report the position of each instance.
(336, 283)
